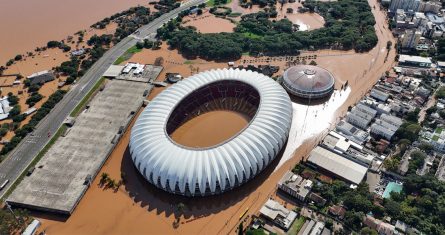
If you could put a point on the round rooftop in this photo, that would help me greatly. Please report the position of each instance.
(308, 81)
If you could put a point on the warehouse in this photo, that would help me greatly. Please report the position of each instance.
(337, 165)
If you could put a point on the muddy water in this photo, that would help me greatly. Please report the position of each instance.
(24, 24)
(210, 128)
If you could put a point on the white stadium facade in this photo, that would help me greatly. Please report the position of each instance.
(216, 169)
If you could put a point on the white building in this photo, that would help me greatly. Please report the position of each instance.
(279, 214)
(386, 126)
(351, 132)
(295, 185)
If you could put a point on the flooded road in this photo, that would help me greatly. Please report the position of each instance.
(27, 24)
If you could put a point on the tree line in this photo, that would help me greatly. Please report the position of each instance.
(349, 24)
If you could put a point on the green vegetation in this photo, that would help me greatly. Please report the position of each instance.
(420, 204)
(435, 138)
(127, 55)
(296, 226)
(257, 232)
(440, 47)
(409, 131)
(212, 3)
(85, 99)
(349, 25)
(417, 161)
(440, 93)
(438, 130)
(20, 133)
(13, 224)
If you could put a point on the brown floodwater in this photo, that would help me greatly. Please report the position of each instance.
(25, 25)
(209, 129)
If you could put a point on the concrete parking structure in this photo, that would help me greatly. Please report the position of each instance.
(63, 174)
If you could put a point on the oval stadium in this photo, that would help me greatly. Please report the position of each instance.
(308, 82)
(217, 168)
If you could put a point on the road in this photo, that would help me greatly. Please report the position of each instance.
(22, 156)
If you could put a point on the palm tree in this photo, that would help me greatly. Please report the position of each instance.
(181, 207)
(103, 178)
(111, 183)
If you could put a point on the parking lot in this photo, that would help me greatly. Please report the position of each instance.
(62, 176)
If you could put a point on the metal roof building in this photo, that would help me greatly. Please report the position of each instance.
(308, 81)
(211, 170)
(337, 165)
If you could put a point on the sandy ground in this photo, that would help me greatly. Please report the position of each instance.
(139, 208)
(209, 129)
(26, 25)
(206, 23)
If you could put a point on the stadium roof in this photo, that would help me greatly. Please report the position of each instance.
(338, 165)
(202, 171)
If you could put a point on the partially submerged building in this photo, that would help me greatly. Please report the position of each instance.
(336, 165)
(41, 77)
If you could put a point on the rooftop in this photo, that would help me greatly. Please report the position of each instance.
(278, 213)
(338, 165)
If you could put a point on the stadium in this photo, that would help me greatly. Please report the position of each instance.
(215, 169)
(308, 82)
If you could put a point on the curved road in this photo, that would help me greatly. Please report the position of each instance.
(22, 156)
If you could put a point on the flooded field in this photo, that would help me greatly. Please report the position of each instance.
(210, 128)
(206, 23)
(26, 25)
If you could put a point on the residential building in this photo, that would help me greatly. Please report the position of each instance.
(295, 185)
(337, 211)
(410, 38)
(381, 227)
(351, 132)
(359, 118)
(386, 126)
(407, 5)
(317, 199)
(279, 214)
(347, 148)
(379, 95)
(41, 77)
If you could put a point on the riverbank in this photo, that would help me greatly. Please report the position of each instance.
(26, 25)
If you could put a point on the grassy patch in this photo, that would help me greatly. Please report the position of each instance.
(85, 99)
(188, 62)
(435, 138)
(296, 226)
(127, 55)
(234, 14)
(39, 156)
(211, 3)
(252, 35)
(439, 130)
